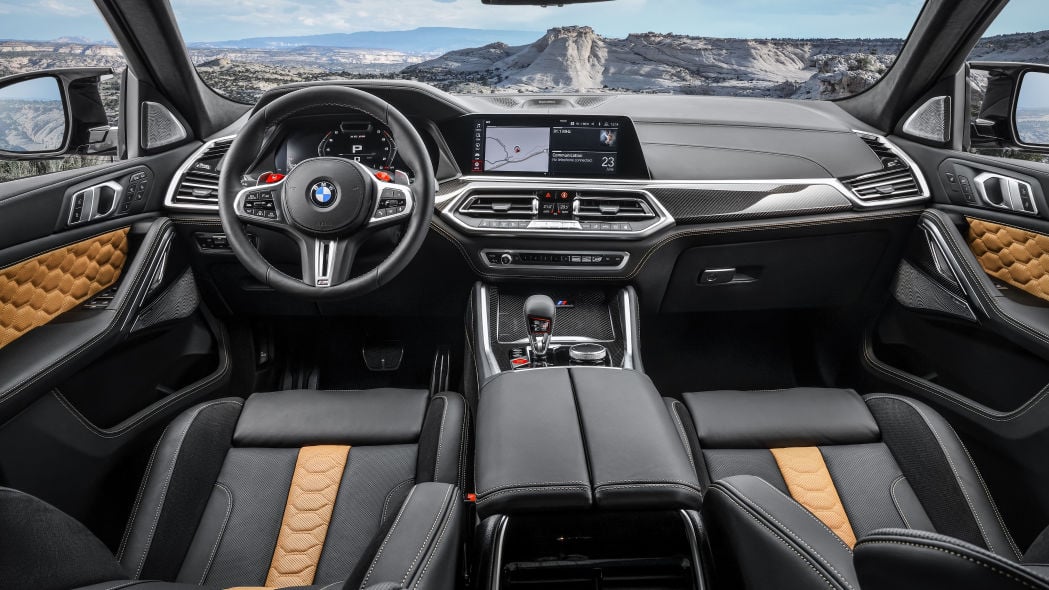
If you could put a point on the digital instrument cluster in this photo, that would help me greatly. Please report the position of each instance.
(361, 139)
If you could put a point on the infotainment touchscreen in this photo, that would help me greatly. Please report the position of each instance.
(554, 146)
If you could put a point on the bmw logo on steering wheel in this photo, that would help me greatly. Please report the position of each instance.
(323, 194)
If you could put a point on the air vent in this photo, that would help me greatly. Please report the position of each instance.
(198, 185)
(608, 207)
(896, 179)
(505, 206)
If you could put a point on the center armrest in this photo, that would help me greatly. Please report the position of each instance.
(567, 438)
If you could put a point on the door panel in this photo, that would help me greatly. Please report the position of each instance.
(967, 329)
(103, 335)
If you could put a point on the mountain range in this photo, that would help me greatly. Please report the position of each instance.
(428, 40)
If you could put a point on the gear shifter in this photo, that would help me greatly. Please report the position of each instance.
(539, 311)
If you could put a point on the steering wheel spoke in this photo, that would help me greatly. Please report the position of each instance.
(262, 205)
(326, 262)
(394, 203)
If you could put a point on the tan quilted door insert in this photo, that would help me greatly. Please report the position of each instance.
(810, 484)
(311, 499)
(36, 291)
(1015, 256)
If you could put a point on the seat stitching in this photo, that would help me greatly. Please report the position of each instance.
(807, 513)
(141, 493)
(896, 502)
(382, 547)
(681, 432)
(782, 540)
(502, 487)
(794, 535)
(445, 511)
(990, 500)
(985, 564)
(463, 439)
(389, 496)
(429, 535)
(222, 531)
(511, 492)
(167, 481)
(440, 438)
(950, 462)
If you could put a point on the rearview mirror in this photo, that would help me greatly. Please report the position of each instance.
(1032, 110)
(539, 2)
(52, 113)
(32, 117)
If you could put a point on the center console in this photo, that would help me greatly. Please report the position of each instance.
(584, 481)
(587, 326)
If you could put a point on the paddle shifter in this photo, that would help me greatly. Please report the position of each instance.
(539, 311)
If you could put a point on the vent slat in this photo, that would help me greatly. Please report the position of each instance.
(199, 185)
(500, 206)
(894, 181)
(614, 208)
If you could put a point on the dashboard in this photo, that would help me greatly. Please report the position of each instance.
(595, 184)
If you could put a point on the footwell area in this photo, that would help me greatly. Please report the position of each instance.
(329, 353)
(733, 350)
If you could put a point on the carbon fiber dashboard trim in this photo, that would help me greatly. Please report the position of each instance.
(713, 202)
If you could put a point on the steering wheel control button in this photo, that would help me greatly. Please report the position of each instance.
(324, 194)
(260, 204)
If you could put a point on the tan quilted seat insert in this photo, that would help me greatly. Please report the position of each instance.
(1015, 256)
(36, 291)
(810, 484)
(311, 499)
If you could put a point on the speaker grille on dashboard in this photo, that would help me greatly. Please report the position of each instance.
(931, 121)
(159, 126)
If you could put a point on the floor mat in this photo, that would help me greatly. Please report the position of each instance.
(334, 348)
(745, 350)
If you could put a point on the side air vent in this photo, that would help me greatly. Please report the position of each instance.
(198, 183)
(609, 207)
(896, 180)
(505, 206)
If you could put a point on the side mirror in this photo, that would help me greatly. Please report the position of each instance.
(45, 115)
(1031, 118)
(1009, 105)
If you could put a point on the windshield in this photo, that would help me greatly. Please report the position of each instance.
(808, 49)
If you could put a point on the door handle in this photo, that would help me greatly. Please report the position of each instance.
(95, 202)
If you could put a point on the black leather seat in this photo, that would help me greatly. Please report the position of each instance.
(793, 478)
(293, 488)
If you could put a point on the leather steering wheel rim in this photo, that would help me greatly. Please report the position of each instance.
(244, 152)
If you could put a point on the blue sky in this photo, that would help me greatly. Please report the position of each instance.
(214, 20)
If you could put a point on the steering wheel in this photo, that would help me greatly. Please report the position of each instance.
(329, 206)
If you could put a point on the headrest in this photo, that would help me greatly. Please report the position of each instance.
(800, 417)
(306, 417)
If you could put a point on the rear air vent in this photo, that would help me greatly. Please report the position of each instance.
(896, 180)
(198, 183)
(613, 207)
(505, 206)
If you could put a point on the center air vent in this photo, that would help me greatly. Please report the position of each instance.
(896, 179)
(612, 207)
(506, 206)
(198, 183)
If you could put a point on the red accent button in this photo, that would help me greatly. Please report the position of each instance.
(519, 362)
(271, 177)
(383, 176)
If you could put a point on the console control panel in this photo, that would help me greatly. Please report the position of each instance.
(559, 259)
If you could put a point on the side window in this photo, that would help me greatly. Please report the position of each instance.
(59, 98)
(1018, 35)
